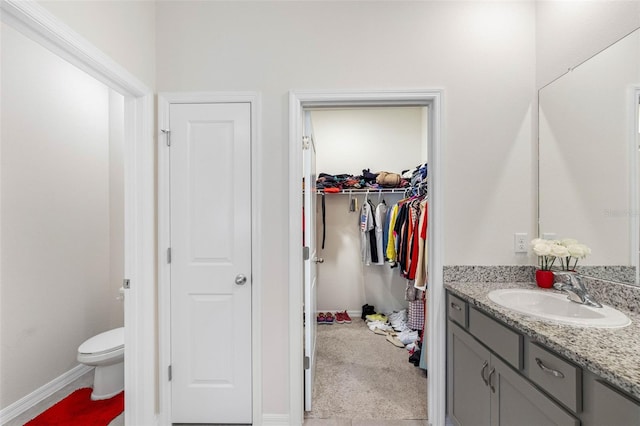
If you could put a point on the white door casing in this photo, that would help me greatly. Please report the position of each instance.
(37, 23)
(310, 262)
(210, 194)
(436, 321)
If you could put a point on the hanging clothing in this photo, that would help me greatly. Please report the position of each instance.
(391, 241)
(381, 214)
(385, 231)
(415, 314)
(366, 225)
(414, 242)
(372, 236)
(407, 239)
(400, 229)
(422, 271)
(423, 356)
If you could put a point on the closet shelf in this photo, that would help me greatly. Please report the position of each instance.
(365, 191)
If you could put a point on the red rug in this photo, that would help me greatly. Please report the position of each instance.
(78, 409)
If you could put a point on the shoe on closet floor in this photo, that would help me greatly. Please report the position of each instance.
(328, 318)
(376, 317)
(400, 325)
(398, 316)
(408, 336)
(394, 341)
(379, 325)
(367, 310)
(345, 316)
(339, 318)
(415, 358)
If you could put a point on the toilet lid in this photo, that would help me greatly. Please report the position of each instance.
(104, 342)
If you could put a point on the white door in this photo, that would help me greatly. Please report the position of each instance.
(310, 279)
(210, 173)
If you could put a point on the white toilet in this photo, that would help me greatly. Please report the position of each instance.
(105, 352)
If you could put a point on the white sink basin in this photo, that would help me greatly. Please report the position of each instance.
(555, 307)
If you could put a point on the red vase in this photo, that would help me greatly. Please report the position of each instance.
(544, 279)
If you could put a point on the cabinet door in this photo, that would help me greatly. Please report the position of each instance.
(468, 397)
(515, 401)
(605, 405)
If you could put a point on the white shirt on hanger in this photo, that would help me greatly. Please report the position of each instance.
(381, 215)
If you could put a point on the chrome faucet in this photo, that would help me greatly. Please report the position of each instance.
(571, 283)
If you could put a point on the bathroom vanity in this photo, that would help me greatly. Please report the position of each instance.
(505, 368)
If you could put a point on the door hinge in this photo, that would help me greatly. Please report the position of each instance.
(169, 255)
(306, 362)
(167, 132)
(126, 283)
(306, 140)
(170, 373)
(305, 253)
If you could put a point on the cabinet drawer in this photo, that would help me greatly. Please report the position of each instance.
(557, 376)
(500, 338)
(457, 310)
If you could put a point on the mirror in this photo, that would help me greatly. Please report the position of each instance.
(588, 160)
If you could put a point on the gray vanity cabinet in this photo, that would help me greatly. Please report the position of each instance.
(518, 402)
(484, 390)
(605, 405)
(468, 397)
(496, 376)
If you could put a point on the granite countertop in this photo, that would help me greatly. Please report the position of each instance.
(613, 354)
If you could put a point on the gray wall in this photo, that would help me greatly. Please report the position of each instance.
(481, 54)
(488, 57)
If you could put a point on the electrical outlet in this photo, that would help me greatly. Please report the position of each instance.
(520, 242)
(549, 236)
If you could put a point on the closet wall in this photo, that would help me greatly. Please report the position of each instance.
(348, 141)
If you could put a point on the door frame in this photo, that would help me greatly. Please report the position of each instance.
(436, 326)
(165, 100)
(41, 26)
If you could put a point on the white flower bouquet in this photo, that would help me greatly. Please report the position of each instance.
(569, 251)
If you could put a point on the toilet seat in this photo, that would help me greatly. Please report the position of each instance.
(109, 342)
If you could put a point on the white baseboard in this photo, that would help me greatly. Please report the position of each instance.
(275, 420)
(355, 314)
(23, 404)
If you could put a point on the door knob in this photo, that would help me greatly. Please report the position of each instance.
(241, 279)
(318, 260)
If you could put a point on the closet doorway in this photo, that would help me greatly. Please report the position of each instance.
(359, 373)
(400, 134)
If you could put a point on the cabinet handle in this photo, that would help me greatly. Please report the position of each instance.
(554, 373)
(484, 368)
(491, 373)
(454, 306)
